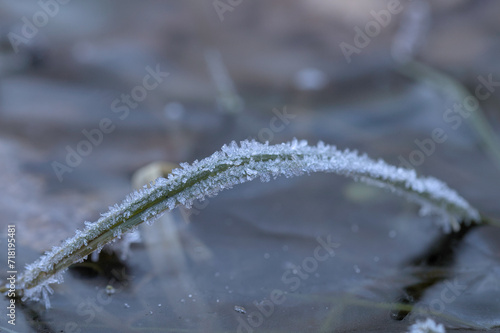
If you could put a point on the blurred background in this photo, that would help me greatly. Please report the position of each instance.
(92, 91)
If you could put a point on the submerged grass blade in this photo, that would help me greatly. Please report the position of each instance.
(235, 165)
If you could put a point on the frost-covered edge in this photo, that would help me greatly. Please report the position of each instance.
(235, 165)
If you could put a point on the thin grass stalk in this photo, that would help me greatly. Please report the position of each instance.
(235, 165)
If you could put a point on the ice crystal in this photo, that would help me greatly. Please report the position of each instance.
(234, 165)
(427, 326)
(42, 291)
(123, 247)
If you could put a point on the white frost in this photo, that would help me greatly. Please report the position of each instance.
(427, 326)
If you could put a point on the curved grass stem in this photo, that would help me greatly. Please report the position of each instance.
(235, 165)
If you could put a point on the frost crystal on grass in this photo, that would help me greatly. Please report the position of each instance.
(235, 165)
(427, 326)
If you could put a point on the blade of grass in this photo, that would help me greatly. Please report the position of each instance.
(231, 166)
